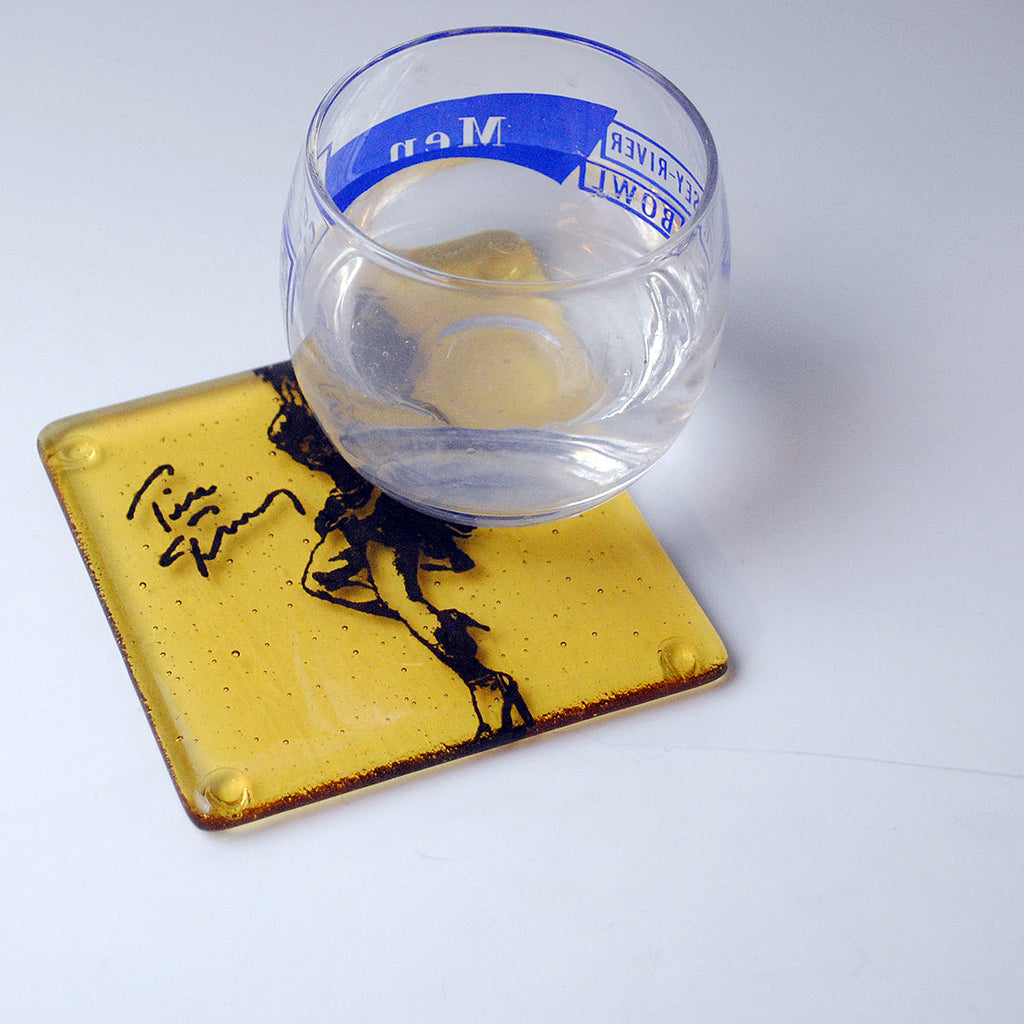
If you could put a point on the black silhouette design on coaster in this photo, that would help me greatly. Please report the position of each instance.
(363, 532)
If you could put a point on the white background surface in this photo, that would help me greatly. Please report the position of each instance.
(836, 833)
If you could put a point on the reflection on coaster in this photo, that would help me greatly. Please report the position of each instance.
(293, 633)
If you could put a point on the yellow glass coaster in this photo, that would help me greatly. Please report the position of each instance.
(293, 633)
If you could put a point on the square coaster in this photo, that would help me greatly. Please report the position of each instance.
(293, 633)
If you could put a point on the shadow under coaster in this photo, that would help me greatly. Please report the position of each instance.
(293, 633)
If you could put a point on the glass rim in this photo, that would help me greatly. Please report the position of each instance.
(381, 254)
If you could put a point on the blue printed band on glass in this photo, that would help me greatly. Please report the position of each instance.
(554, 135)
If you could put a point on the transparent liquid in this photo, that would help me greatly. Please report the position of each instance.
(497, 405)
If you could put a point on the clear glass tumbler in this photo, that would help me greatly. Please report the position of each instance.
(504, 269)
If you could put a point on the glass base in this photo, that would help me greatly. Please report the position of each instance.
(293, 633)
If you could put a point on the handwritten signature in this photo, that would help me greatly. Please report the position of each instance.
(172, 517)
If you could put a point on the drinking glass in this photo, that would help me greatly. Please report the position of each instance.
(505, 262)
